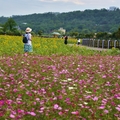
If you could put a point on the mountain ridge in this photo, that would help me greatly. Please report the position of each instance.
(86, 21)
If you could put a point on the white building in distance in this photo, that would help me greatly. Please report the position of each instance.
(62, 31)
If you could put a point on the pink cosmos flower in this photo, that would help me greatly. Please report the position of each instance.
(25, 54)
(95, 98)
(20, 111)
(59, 108)
(101, 107)
(40, 111)
(106, 111)
(88, 96)
(118, 76)
(42, 108)
(60, 113)
(100, 66)
(104, 76)
(1, 113)
(9, 102)
(12, 116)
(56, 106)
(60, 97)
(118, 108)
(32, 113)
(1, 102)
(37, 99)
(67, 99)
(104, 101)
(75, 112)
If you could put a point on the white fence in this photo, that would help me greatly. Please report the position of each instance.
(101, 43)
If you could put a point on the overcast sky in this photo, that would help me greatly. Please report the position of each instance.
(25, 7)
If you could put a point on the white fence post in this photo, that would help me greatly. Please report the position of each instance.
(115, 43)
(103, 43)
(98, 43)
(108, 44)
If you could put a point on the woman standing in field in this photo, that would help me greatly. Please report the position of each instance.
(28, 45)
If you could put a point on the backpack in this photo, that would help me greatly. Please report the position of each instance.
(25, 40)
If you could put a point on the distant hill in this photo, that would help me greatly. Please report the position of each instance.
(80, 21)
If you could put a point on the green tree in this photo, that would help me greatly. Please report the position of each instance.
(102, 35)
(117, 34)
(40, 32)
(73, 34)
(10, 25)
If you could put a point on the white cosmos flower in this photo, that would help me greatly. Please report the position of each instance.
(69, 79)
(64, 80)
(88, 92)
(70, 88)
(85, 103)
(74, 84)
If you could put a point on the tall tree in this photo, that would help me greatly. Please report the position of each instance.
(11, 24)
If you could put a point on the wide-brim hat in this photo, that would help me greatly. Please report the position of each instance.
(28, 29)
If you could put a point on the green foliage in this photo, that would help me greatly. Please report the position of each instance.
(40, 33)
(49, 46)
(88, 21)
(9, 28)
(117, 33)
(113, 51)
(101, 35)
(57, 81)
(11, 24)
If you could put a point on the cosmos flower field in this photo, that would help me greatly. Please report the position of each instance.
(59, 86)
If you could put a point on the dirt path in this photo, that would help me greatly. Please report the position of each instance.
(91, 48)
(95, 48)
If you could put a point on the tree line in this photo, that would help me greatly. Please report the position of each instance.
(96, 23)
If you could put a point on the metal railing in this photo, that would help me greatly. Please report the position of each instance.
(108, 44)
